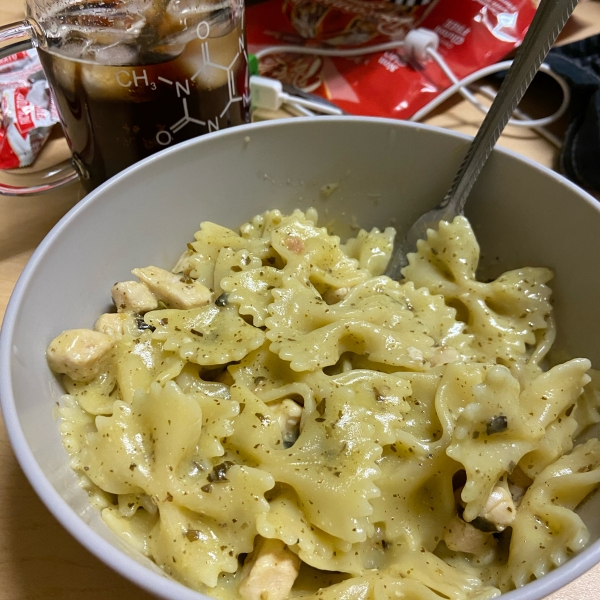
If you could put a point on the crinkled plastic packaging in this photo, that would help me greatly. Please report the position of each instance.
(472, 34)
(354, 22)
(28, 113)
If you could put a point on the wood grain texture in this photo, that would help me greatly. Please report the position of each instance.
(39, 560)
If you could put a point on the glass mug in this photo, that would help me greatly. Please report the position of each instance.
(131, 77)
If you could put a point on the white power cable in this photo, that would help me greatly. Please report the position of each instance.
(346, 53)
(490, 93)
(460, 86)
(421, 44)
(299, 111)
(268, 93)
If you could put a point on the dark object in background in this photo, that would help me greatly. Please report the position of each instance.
(579, 64)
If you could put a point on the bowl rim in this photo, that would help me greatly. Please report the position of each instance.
(142, 576)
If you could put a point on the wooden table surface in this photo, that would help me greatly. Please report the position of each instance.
(38, 558)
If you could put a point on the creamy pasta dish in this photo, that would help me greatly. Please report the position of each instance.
(276, 419)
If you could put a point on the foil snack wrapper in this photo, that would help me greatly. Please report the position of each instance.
(472, 34)
(27, 110)
(355, 22)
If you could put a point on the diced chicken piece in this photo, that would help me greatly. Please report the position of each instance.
(172, 289)
(499, 509)
(79, 353)
(272, 573)
(294, 244)
(288, 415)
(115, 325)
(133, 297)
(463, 537)
(444, 355)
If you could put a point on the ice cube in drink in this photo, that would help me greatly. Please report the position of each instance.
(209, 61)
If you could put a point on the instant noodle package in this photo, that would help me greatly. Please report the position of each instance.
(472, 34)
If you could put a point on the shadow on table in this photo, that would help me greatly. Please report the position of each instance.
(42, 560)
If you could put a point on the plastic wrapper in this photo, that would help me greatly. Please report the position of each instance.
(472, 34)
(352, 22)
(28, 113)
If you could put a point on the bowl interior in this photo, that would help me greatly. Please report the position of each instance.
(388, 173)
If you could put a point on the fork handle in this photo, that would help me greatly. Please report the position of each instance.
(547, 23)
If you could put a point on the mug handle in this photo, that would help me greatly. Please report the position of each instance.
(24, 31)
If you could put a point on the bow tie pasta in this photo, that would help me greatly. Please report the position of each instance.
(276, 419)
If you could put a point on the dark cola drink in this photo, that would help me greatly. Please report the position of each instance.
(128, 83)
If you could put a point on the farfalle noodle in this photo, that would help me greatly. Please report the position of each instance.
(379, 439)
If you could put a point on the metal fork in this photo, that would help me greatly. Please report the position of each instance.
(547, 23)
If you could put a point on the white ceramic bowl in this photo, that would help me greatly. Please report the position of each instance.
(388, 172)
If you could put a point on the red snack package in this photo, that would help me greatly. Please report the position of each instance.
(472, 34)
(28, 113)
(352, 22)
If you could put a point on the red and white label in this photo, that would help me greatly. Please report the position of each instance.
(472, 34)
(28, 114)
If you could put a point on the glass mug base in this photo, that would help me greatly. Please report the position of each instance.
(122, 98)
